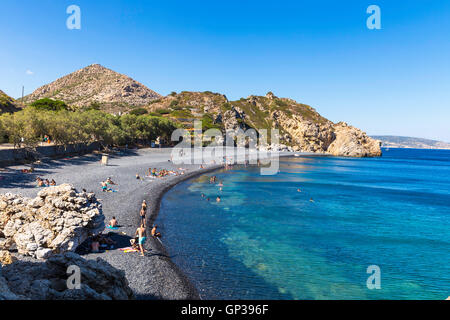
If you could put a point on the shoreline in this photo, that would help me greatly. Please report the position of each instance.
(155, 276)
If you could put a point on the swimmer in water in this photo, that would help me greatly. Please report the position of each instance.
(218, 199)
(311, 200)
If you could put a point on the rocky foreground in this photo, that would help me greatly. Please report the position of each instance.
(37, 240)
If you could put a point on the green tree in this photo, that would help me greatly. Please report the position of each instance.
(47, 104)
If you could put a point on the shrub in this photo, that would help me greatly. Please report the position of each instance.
(138, 111)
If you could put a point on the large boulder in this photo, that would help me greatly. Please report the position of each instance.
(56, 221)
(47, 280)
(352, 142)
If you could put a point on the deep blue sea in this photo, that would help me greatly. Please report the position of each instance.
(266, 240)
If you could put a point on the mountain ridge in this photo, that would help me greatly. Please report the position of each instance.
(390, 141)
(300, 126)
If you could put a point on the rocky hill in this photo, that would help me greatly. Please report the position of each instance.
(410, 142)
(301, 127)
(113, 91)
(8, 104)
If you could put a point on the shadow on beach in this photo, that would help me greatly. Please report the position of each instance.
(12, 177)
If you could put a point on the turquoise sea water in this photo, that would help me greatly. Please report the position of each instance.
(265, 240)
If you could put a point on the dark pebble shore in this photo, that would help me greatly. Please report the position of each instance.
(154, 276)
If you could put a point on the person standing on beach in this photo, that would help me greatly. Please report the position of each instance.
(142, 234)
(143, 214)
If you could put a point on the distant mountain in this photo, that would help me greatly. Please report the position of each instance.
(411, 142)
(113, 91)
(8, 104)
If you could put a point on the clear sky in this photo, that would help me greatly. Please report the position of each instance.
(390, 81)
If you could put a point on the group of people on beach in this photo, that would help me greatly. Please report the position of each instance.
(106, 185)
(140, 236)
(101, 241)
(153, 172)
(137, 242)
(42, 183)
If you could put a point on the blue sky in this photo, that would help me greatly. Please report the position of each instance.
(390, 81)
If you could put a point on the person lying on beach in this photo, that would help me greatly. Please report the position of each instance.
(109, 181)
(113, 223)
(154, 233)
(142, 238)
(134, 243)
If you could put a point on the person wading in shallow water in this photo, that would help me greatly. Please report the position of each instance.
(142, 234)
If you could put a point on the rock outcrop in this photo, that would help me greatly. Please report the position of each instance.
(56, 221)
(47, 280)
(300, 126)
(95, 83)
(352, 142)
(37, 237)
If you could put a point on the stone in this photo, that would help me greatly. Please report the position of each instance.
(47, 280)
(6, 258)
(43, 253)
(58, 220)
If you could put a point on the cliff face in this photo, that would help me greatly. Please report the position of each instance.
(301, 127)
(95, 83)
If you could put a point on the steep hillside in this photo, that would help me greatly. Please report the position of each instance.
(8, 104)
(113, 91)
(301, 127)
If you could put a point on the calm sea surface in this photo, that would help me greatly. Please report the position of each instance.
(266, 240)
